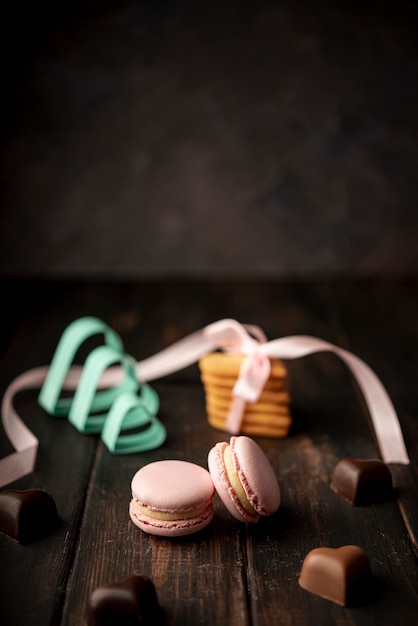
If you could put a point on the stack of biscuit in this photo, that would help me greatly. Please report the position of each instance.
(268, 417)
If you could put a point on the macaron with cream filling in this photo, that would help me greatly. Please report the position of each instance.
(172, 498)
(244, 478)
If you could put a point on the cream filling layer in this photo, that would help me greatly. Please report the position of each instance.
(142, 509)
(235, 482)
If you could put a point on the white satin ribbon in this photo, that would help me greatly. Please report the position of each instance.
(227, 335)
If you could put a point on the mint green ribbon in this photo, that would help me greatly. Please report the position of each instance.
(124, 405)
(129, 410)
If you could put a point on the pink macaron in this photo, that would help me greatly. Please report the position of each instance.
(244, 478)
(172, 498)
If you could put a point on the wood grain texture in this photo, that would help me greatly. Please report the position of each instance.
(229, 573)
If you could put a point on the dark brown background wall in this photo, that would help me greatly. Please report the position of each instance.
(209, 138)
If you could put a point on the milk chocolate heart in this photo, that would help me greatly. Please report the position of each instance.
(129, 602)
(362, 481)
(336, 574)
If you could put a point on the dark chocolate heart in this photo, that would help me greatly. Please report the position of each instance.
(362, 481)
(27, 515)
(337, 574)
(128, 602)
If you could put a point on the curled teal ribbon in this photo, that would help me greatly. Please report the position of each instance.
(129, 411)
(125, 404)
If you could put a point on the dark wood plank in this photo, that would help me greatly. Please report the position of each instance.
(229, 573)
(40, 571)
(381, 324)
(191, 573)
(332, 424)
(312, 452)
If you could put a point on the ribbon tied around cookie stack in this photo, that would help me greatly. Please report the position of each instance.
(229, 336)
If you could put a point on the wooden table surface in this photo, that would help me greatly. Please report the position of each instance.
(230, 573)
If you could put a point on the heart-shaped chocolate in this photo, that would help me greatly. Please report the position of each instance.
(27, 515)
(362, 481)
(129, 602)
(336, 574)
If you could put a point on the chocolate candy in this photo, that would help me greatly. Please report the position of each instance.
(27, 515)
(128, 602)
(337, 574)
(362, 481)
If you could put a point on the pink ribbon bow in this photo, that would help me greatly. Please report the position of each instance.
(254, 371)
